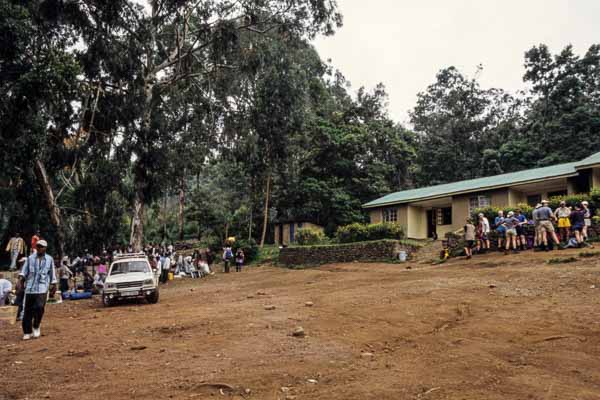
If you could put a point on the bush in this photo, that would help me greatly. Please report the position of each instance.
(571, 200)
(309, 237)
(361, 232)
(249, 247)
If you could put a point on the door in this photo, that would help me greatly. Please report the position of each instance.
(292, 233)
(280, 234)
(431, 224)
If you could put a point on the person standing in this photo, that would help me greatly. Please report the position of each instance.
(15, 247)
(209, 259)
(227, 257)
(500, 229)
(563, 214)
(587, 219)
(38, 277)
(521, 239)
(64, 275)
(511, 223)
(577, 220)
(5, 289)
(239, 260)
(469, 230)
(484, 228)
(34, 239)
(545, 216)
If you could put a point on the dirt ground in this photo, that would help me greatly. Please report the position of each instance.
(497, 327)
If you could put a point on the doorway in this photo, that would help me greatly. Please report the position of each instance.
(431, 224)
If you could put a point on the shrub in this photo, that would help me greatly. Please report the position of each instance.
(309, 237)
(559, 260)
(361, 232)
(571, 200)
(589, 254)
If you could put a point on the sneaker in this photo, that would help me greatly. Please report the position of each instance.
(26, 336)
(37, 333)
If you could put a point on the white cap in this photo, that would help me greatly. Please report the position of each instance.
(42, 243)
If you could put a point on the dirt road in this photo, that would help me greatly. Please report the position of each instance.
(497, 327)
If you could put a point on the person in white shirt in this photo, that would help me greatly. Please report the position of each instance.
(484, 232)
(5, 289)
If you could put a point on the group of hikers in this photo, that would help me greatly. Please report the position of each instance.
(39, 278)
(511, 229)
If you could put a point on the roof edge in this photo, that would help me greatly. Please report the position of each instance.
(367, 206)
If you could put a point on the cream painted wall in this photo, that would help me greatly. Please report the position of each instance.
(286, 231)
(500, 198)
(515, 197)
(417, 222)
(441, 230)
(460, 211)
(375, 216)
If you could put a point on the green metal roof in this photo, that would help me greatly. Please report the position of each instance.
(479, 184)
(591, 160)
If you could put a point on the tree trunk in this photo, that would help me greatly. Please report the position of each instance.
(266, 211)
(53, 209)
(137, 222)
(181, 216)
(250, 225)
(226, 232)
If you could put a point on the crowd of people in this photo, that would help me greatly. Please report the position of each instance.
(40, 277)
(512, 233)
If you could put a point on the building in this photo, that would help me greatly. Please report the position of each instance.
(444, 208)
(285, 233)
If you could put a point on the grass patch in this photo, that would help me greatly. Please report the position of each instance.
(589, 254)
(561, 260)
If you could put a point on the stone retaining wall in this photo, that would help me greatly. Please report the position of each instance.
(381, 250)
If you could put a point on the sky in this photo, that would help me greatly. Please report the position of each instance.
(404, 43)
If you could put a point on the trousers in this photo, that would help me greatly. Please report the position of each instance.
(35, 304)
(14, 254)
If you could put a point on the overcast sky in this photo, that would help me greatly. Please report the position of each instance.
(404, 43)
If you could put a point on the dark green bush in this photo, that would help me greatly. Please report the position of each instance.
(363, 232)
(309, 237)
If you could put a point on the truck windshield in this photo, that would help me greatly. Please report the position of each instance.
(129, 266)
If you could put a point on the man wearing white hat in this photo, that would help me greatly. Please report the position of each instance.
(37, 277)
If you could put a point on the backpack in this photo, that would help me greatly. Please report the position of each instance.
(228, 253)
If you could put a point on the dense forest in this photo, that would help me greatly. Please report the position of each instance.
(127, 121)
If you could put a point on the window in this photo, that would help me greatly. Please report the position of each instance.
(479, 202)
(390, 215)
(444, 216)
(534, 199)
(129, 266)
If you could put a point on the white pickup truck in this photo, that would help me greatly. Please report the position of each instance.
(130, 276)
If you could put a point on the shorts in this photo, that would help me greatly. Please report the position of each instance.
(587, 222)
(484, 236)
(520, 230)
(501, 233)
(546, 226)
(564, 222)
(470, 244)
(578, 227)
(511, 232)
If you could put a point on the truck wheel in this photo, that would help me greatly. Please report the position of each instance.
(107, 302)
(153, 298)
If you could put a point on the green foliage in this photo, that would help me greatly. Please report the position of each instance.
(571, 200)
(309, 237)
(362, 232)
(267, 254)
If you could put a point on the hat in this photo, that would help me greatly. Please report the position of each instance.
(42, 243)
(480, 215)
(510, 213)
(584, 203)
(545, 201)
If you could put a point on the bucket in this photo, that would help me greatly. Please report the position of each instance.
(402, 256)
(171, 276)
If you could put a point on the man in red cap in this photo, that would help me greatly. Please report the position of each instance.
(37, 277)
